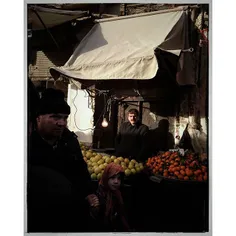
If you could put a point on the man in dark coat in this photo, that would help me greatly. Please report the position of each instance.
(132, 138)
(58, 180)
(33, 101)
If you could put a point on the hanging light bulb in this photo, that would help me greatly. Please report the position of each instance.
(104, 122)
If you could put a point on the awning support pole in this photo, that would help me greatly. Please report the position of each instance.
(200, 52)
(46, 28)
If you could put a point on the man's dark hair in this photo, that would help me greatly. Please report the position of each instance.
(133, 111)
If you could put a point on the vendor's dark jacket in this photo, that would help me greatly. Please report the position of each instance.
(132, 141)
(58, 182)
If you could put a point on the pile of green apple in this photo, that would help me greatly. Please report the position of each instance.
(97, 162)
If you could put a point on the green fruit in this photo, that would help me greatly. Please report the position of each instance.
(100, 162)
(108, 160)
(124, 168)
(105, 164)
(117, 161)
(90, 170)
(93, 176)
(99, 176)
(121, 159)
(89, 154)
(133, 171)
(105, 157)
(97, 170)
(102, 167)
(136, 165)
(127, 172)
(131, 165)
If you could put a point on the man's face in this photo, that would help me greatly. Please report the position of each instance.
(52, 125)
(114, 182)
(132, 117)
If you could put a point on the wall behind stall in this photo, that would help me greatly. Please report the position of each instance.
(80, 120)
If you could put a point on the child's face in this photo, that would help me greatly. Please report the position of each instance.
(114, 182)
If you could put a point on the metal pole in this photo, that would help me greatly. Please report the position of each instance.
(29, 47)
(46, 28)
(200, 52)
(125, 9)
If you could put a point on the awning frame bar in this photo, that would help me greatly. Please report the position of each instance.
(54, 40)
(182, 8)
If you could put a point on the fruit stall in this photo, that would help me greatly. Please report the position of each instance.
(169, 192)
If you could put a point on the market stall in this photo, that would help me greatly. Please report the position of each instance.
(168, 192)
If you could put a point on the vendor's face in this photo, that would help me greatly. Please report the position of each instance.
(52, 125)
(114, 182)
(132, 118)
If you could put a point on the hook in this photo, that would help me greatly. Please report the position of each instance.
(188, 50)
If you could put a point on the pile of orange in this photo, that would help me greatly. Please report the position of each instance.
(172, 165)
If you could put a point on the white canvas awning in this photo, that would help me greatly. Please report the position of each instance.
(124, 47)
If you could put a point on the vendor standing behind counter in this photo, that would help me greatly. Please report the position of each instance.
(132, 138)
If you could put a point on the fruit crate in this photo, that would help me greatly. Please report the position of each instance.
(160, 178)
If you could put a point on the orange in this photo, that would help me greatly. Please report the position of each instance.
(182, 167)
(176, 163)
(172, 161)
(168, 153)
(177, 168)
(165, 174)
(186, 178)
(172, 156)
(180, 176)
(197, 172)
(189, 172)
(176, 173)
(177, 159)
(200, 178)
(204, 168)
(205, 177)
(182, 172)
